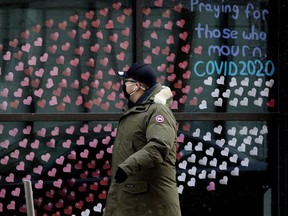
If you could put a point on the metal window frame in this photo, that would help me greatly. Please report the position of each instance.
(181, 116)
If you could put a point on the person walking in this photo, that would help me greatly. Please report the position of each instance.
(143, 180)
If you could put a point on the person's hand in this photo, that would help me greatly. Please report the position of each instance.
(120, 175)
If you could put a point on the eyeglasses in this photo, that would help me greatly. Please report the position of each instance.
(129, 81)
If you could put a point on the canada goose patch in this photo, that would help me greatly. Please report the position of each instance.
(159, 118)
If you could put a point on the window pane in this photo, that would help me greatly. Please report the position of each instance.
(64, 57)
(221, 166)
(215, 56)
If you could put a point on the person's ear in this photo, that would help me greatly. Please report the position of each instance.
(138, 85)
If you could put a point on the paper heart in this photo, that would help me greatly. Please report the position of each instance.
(166, 13)
(259, 140)
(198, 50)
(98, 207)
(68, 210)
(120, 56)
(146, 24)
(182, 165)
(210, 151)
(148, 59)
(171, 57)
(10, 178)
(90, 14)
(184, 36)
(4, 92)
(119, 104)
(161, 68)
(109, 24)
(52, 49)
(11, 205)
(224, 180)
(180, 23)
(23, 143)
(4, 161)
(157, 23)
(15, 154)
(185, 48)
(245, 82)
(182, 177)
(46, 157)
(258, 102)
(13, 43)
(52, 173)
(81, 140)
(213, 162)
(36, 28)
(104, 61)
(105, 106)
(4, 105)
(126, 32)
(233, 158)
(220, 80)
(121, 19)
(60, 60)
(49, 23)
(271, 103)
(74, 18)
(178, 8)
(183, 64)
(13, 132)
(183, 99)
(165, 50)
(38, 42)
(223, 165)
(83, 24)
(220, 142)
(180, 189)
(86, 35)
(158, 3)
(2, 193)
(9, 77)
(54, 36)
(156, 50)
(242, 148)
(245, 162)
(170, 39)
(146, 11)
(264, 129)
(154, 35)
(90, 63)
(7, 56)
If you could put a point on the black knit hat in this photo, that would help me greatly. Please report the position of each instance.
(141, 72)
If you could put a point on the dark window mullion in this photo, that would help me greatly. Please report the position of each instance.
(139, 35)
(180, 116)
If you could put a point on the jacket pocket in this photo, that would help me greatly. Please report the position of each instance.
(135, 187)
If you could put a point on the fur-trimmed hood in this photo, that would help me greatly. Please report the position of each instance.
(165, 96)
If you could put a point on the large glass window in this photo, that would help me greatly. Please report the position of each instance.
(64, 56)
(60, 99)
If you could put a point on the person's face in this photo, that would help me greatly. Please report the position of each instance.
(131, 85)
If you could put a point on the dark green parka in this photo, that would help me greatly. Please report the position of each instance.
(145, 148)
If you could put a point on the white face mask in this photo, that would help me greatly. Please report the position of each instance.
(133, 90)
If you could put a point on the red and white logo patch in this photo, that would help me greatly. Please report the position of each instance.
(159, 118)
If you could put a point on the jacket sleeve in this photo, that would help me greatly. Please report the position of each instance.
(160, 135)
